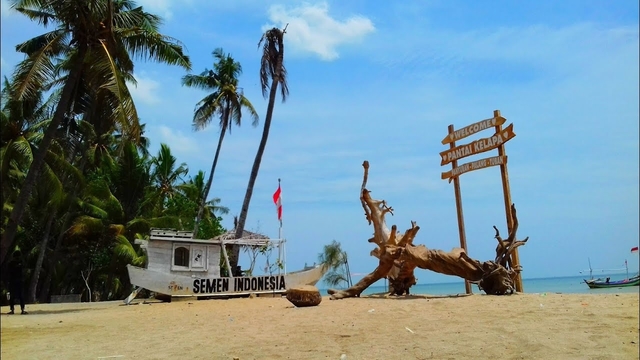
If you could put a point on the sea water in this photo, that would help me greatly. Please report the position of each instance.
(559, 285)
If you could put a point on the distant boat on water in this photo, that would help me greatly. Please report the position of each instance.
(608, 283)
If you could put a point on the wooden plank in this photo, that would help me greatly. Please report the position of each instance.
(241, 242)
(141, 242)
(461, 230)
(132, 296)
(506, 189)
(226, 259)
(159, 255)
(214, 260)
(157, 234)
(478, 146)
(473, 128)
(473, 165)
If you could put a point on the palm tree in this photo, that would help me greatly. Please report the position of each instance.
(20, 122)
(97, 40)
(130, 178)
(165, 177)
(194, 190)
(225, 100)
(271, 69)
(335, 260)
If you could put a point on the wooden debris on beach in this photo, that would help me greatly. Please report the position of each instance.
(399, 257)
(305, 295)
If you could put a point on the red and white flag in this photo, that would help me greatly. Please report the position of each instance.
(634, 249)
(277, 199)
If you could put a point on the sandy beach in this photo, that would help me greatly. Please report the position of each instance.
(524, 326)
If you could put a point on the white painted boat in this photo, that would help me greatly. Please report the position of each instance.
(178, 265)
(195, 285)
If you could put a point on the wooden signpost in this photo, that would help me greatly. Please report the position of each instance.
(454, 153)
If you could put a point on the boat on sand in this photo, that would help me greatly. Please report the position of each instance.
(178, 265)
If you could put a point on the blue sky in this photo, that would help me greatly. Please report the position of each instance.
(381, 81)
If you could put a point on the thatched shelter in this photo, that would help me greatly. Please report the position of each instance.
(250, 241)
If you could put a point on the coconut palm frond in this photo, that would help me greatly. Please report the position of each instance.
(85, 225)
(33, 72)
(124, 109)
(333, 278)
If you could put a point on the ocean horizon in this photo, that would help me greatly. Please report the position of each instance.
(554, 285)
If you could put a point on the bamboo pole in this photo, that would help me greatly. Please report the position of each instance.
(223, 247)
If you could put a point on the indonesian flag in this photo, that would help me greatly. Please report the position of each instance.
(634, 249)
(277, 199)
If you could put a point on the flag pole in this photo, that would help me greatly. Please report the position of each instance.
(627, 267)
(280, 228)
(281, 248)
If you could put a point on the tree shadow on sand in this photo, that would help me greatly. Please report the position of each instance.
(49, 311)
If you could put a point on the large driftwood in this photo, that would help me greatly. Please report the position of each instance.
(398, 256)
(390, 242)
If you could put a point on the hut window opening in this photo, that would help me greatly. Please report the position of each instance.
(181, 256)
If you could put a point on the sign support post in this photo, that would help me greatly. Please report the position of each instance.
(506, 189)
(454, 153)
(461, 230)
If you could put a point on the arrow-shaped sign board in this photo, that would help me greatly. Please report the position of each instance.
(474, 165)
(473, 128)
(478, 146)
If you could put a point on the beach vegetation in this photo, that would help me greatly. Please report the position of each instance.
(336, 264)
(78, 185)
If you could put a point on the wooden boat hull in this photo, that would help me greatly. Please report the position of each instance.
(600, 284)
(194, 285)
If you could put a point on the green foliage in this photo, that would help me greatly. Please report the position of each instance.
(270, 267)
(335, 262)
(99, 188)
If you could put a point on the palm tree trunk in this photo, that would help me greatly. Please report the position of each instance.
(46, 286)
(33, 285)
(254, 172)
(203, 201)
(108, 288)
(38, 160)
(348, 272)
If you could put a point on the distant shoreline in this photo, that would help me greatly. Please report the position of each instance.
(560, 285)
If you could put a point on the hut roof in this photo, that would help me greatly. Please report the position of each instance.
(231, 235)
(248, 238)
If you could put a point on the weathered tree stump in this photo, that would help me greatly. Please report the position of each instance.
(305, 295)
(398, 256)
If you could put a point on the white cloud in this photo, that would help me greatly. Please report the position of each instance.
(312, 29)
(448, 53)
(145, 91)
(179, 143)
(158, 7)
